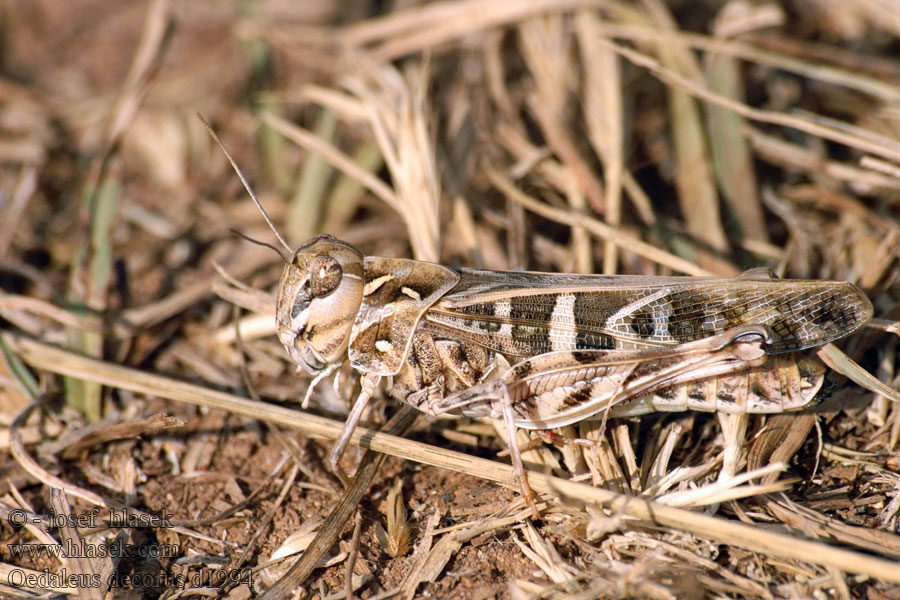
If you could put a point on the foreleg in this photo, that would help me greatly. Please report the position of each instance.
(369, 383)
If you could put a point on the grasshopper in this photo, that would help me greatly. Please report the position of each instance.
(543, 350)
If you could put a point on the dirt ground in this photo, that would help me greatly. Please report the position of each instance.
(644, 138)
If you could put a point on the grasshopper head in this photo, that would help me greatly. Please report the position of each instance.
(319, 295)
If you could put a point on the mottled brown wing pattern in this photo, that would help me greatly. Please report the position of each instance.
(526, 314)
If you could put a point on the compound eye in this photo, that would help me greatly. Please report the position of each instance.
(324, 275)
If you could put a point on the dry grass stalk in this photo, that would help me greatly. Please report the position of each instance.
(398, 115)
(603, 115)
(694, 179)
(596, 227)
(731, 155)
(13, 211)
(849, 136)
(81, 566)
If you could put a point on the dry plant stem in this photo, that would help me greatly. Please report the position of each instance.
(778, 441)
(840, 362)
(885, 325)
(425, 550)
(351, 558)
(885, 148)
(574, 190)
(256, 301)
(730, 152)
(406, 32)
(603, 115)
(80, 565)
(694, 180)
(350, 108)
(860, 81)
(42, 285)
(44, 356)
(397, 110)
(141, 70)
(397, 23)
(276, 506)
(333, 526)
(416, 35)
(338, 159)
(36, 306)
(189, 295)
(414, 30)
(152, 425)
(598, 228)
(39, 530)
(421, 28)
(30, 466)
(91, 267)
(777, 151)
(20, 454)
(887, 228)
(805, 519)
(880, 166)
(562, 145)
(11, 215)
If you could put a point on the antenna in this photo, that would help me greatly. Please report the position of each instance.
(247, 187)
(260, 243)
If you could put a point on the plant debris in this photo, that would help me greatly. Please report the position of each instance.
(154, 444)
